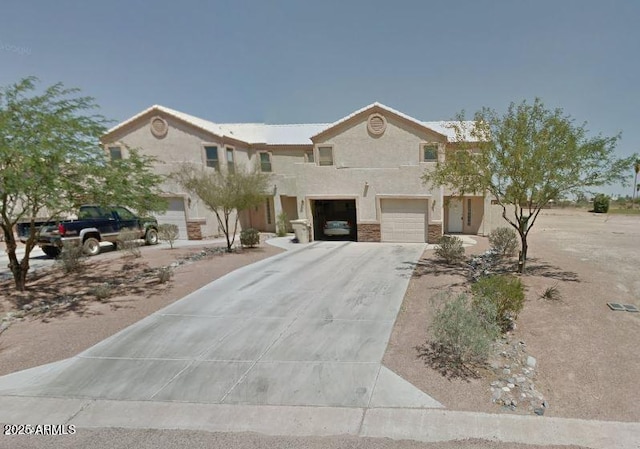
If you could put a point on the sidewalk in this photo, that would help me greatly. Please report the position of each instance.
(427, 425)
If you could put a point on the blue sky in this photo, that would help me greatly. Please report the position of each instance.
(304, 61)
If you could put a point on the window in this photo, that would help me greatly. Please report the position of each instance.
(308, 155)
(124, 214)
(469, 212)
(231, 166)
(115, 153)
(265, 162)
(211, 153)
(430, 152)
(325, 156)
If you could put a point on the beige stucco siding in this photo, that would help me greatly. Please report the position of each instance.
(182, 144)
(355, 147)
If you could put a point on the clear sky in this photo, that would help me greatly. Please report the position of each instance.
(317, 61)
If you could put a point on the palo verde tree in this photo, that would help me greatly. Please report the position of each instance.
(525, 158)
(225, 192)
(51, 161)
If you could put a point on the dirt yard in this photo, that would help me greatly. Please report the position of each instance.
(588, 358)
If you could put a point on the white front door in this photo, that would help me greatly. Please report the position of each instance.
(455, 215)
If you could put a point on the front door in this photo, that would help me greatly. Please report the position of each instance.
(455, 215)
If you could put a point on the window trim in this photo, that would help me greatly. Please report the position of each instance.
(333, 155)
(206, 159)
(269, 155)
(437, 148)
(228, 148)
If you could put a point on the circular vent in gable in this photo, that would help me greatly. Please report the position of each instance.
(159, 127)
(376, 124)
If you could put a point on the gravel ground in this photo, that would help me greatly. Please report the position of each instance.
(588, 358)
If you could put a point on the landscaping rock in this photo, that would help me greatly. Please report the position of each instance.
(531, 362)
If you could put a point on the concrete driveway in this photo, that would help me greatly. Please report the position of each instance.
(307, 327)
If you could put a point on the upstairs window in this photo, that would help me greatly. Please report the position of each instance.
(308, 156)
(325, 156)
(430, 153)
(211, 154)
(265, 162)
(231, 165)
(115, 153)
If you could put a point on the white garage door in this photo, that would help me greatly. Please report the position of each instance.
(175, 215)
(403, 220)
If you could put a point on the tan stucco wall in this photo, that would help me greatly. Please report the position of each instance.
(182, 144)
(367, 168)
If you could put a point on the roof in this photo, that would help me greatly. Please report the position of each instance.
(285, 134)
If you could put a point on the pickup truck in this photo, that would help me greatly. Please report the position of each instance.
(95, 224)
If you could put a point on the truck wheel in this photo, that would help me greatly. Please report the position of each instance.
(51, 251)
(91, 246)
(151, 237)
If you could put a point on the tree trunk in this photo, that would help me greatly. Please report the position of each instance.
(18, 269)
(635, 190)
(522, 260)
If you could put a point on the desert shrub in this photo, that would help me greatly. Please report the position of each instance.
(505, 292)
(464, 331)
(249, 237)
(551, 294)
(128, 242)
(72, 258)
(281, 224)
(164, 274)
(601, 204)
(504, 241)
(450, 249)
(168, 233)
(102, 291)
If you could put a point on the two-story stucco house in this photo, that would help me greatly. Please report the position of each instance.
(364, 168)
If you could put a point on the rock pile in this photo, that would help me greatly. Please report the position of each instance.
(514, 372)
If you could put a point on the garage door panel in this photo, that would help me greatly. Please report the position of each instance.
(403, 220)
(175, 215)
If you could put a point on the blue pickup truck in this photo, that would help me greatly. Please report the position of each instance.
(95, 224)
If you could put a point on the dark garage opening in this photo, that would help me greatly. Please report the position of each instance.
(328, 211)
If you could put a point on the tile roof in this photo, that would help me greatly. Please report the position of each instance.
(286, 134)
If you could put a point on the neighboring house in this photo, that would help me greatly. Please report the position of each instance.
(364, 168)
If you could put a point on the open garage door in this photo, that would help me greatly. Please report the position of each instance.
(403, 220)
(334, 220)
(175, 215)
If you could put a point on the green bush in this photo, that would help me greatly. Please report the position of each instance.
(463, 332)
(505, 292)
(168, 233)
(72, 258)
(249, 237)
(450, 249)
(504, 241)
(102, 291)
(281, 224)
(601, 204)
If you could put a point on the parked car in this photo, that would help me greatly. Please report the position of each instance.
(335, 228)
(95, 224)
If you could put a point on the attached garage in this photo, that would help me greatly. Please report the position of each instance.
(175, 215)
(403, 220)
